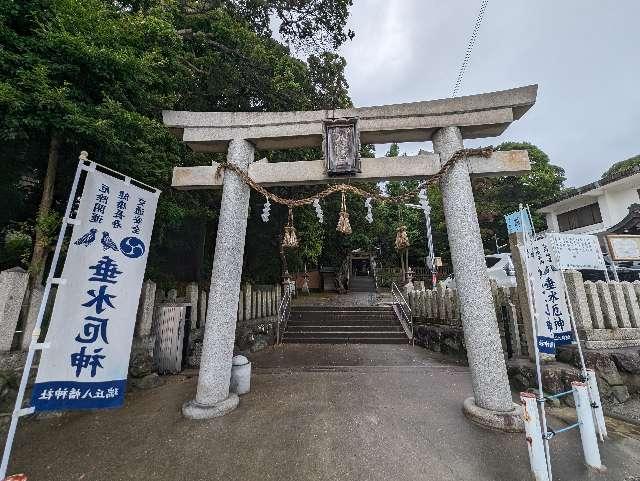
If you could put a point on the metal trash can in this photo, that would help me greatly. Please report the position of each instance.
(240, 375)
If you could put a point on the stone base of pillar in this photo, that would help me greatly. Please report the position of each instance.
(508, 422)
(195, 410)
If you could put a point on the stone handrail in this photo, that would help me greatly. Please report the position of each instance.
(440, 307)
(256, 304)
(607, 314)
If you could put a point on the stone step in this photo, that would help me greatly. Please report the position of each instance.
(341, 333)
(345, 328)
(346, 340)
(342, 322)
(313, 308)
(339, 316)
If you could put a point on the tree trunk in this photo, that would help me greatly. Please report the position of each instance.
(40, 247)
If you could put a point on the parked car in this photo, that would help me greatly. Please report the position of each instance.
(499, 268)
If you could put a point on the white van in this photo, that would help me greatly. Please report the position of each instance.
(499, 268)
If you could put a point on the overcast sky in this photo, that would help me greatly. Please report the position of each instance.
(584, 55)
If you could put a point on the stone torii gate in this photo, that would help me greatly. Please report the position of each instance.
(446, 123)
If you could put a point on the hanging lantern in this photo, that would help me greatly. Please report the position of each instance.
(343, 222)
(402, 240)
(290, 239)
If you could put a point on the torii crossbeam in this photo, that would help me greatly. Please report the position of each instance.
(513, 162)
(446, 123)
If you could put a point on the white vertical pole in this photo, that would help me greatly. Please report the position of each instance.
(534, 322)
(587, 428)
(594, 395)
(17, 409)
(533, 434)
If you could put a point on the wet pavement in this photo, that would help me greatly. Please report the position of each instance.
(315, 412)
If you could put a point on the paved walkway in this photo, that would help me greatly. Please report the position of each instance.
(349, 299)
(315, 412)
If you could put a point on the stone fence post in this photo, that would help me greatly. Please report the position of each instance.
(36, 296)
(202, 308)
(522, 283)
(191, 294)
(13, 287)
(631, 299)
(241, 305)
(146, 307)
(247, 301)
(578, 297)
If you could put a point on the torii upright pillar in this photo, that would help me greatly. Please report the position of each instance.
(213, 397)
(492, 404)
(445, 122)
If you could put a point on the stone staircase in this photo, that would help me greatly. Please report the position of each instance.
(344, 324)
(362, 284)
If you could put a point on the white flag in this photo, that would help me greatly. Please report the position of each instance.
(94, 314)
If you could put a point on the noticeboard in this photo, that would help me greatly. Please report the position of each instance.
(624, 247)
(576, 251)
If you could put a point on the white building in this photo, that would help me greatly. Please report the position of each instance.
(594, 207)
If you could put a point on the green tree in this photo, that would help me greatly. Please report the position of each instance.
(81, 75)
(622, 166)
(94, 75)
(498, 196)
(316, 25)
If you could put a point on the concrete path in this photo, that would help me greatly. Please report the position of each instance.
(316, 412)
(350, 299)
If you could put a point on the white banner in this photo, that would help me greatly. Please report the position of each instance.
(552, 315)
(94, 314)
(577, 251)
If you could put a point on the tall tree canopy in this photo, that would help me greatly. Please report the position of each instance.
(498, 196)
(94, 75)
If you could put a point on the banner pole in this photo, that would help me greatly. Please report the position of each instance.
(18, 411)
(534, 324)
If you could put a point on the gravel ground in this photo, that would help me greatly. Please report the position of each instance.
(629, 410)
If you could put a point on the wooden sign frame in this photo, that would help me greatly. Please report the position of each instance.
(612, 251)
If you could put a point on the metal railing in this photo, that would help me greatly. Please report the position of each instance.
(284, 309)
(403, 311)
